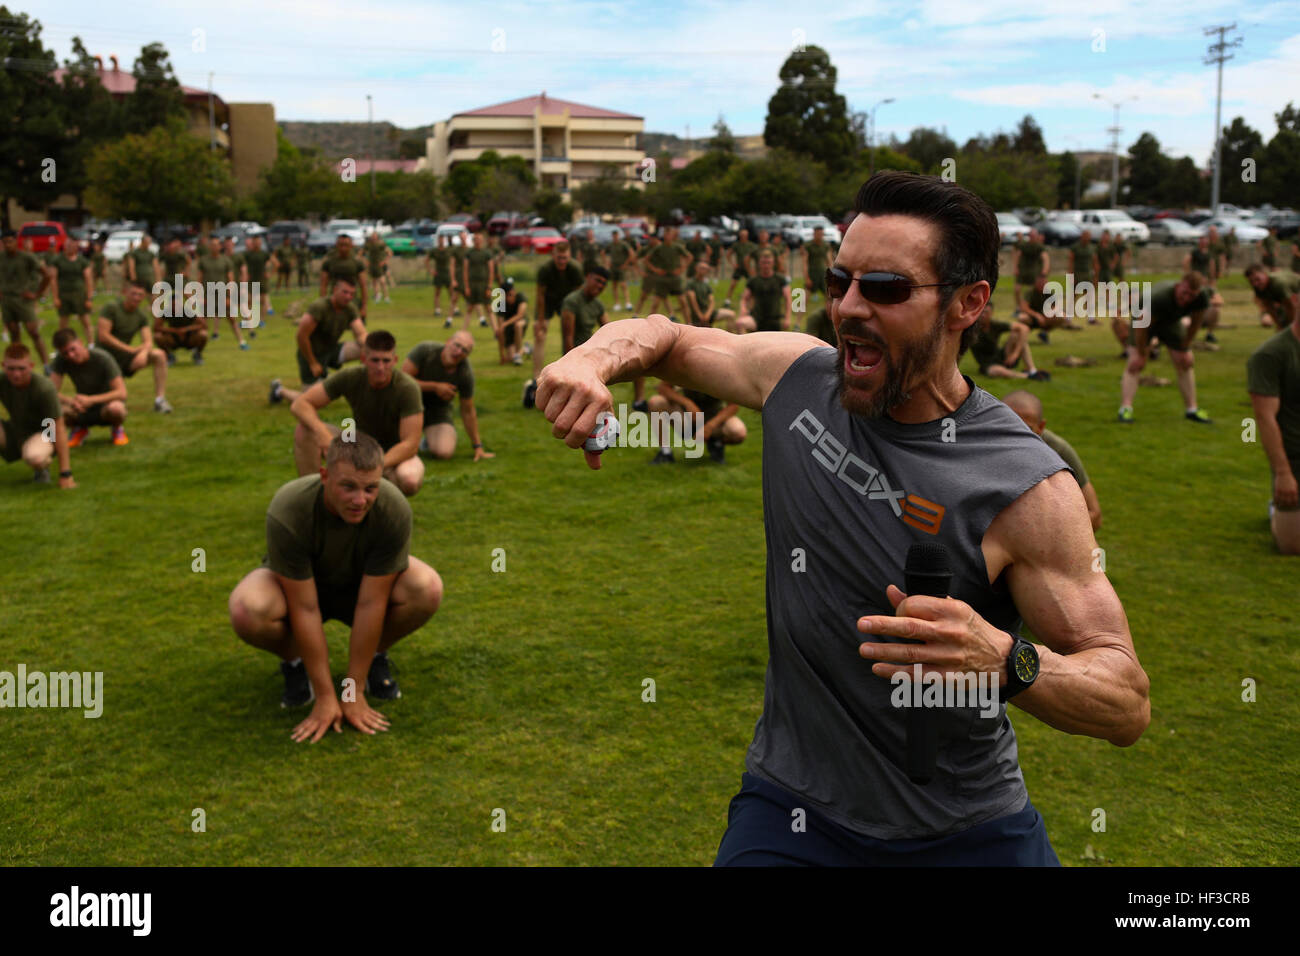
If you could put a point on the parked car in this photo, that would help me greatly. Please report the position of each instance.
(1117, 223)
(1173, 232)
(120, 243)
(44, 236)
(1245, 231)
(456, 233)
(469, 221)
(757, 224)
(516, 239)
(602, 233)
(321, 241)
(1059, 229)
(503, 222)
(1010, 228)
(424, 235)
(693, 230)
(1286, 222)
(799, 229)
(542, 238)
(401, 241)
(296, 232)
(348, 227)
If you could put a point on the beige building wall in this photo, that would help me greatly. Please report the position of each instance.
(252, 143)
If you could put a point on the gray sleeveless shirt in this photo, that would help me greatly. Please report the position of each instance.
(843, 499)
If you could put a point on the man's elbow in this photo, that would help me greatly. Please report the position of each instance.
(1138, 713)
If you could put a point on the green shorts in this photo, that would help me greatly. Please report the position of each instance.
(442, 282)
(74, 306)
(1170, 333)
(816, 282)
(615, 275)
(740, 274)
(376, 271)
(477, 294)
(169, 339)
(123, 360)
(436, 411)
(672, 285)
(90, 418)
(652, 284)
(20, 312)
(13, 447)
(333, 360)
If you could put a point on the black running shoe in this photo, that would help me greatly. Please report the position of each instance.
(1044, 338)
(275, 391)
(530, 394)
(641, 405)
(298, 691)
(1038, 375)
(717, 449)
(380, 682)
(662, 458)
(1211, 338)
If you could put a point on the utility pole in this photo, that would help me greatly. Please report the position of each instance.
(1218, 53)
(370, 136)
(212, 118)
(1114, 131)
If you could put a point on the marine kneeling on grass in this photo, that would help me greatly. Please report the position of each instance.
(337, 547)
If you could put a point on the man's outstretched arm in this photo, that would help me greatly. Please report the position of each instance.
(367, 629)
(735, 368)
(308, 632)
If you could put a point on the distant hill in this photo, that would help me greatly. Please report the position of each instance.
(341, 140)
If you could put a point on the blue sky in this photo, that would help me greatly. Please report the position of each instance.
(972, 66)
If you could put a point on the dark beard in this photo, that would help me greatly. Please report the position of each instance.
(899, 379)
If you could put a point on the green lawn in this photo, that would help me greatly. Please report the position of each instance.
(525, 692)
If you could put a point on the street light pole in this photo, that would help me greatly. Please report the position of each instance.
(871, 137)
(370, 136)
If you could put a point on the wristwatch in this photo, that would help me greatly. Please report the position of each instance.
(1022, 668)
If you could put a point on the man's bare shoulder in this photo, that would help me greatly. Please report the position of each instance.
(1042, 526)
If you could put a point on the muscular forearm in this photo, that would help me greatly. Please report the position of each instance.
(1270, 436)
(401, 451)
(367, 628)
(1099, 692)
(309, 640)
(470, 418)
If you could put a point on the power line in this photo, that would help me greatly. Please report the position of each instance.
(1218, 53)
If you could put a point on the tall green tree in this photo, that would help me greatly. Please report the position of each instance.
(1288, 119)
(929, 147)
(158, 98)
(1240, 142)
(164, 175)
(31, 132)
(1067, 178)
(298, 184)
(1148, 171)
(806, 116)
(1028, 137)
(90, 117)
(602, 195)
(1279, 168)
(723, 141)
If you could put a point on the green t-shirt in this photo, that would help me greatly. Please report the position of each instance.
(378, 411)
(1269, 245)
(331, 324)
(1083, 253)
(19, 273)
(703, 295)
(768, 307)
(587, 314)
(125, 324)
(71, 278)
(1068, 455)
(441, 261)
(1281, 286)
(236, 264)
(818, 254)
(1165, 307)
(741, 251)
(668, 256)
(1200, 261)
(698, 248)
(1030, 265)
(985, 349)
(715, 251)
(1037, 300)
(1273, 370)
(619, 253)
(29, 407)
(305, 541)
(144, 270)
(285, 256)
(376, 252)
(427, 359)
(256, 263)
(302, 257)
(337, 267)
(819, 324)
(175, 263)
(1105, 261)
(93, 376)
(556, 285)
(477, 262)
(215, 268)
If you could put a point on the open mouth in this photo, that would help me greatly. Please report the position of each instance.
(860, 356)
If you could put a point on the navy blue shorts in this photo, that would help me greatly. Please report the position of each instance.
(760, 833)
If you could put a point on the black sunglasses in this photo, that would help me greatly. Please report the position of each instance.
(882, 288)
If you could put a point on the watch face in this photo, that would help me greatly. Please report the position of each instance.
(1025, 662)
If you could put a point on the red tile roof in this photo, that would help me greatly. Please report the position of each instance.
(122, 83)
(548, 105)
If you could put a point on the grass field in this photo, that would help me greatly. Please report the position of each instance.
(525, 691)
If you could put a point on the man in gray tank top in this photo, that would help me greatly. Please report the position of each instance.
(868, 449)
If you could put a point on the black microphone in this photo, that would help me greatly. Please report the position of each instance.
(927, 572)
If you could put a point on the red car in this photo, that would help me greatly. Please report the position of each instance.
(541, 238)
(516, 239)
(465, 219)
(44, 236)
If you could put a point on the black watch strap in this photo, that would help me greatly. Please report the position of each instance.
(1022, 668)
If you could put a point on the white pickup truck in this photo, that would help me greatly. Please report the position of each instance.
(1116, 222)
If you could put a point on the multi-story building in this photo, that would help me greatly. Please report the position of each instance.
(566, 143)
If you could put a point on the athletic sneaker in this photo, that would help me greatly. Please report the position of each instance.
(1196, 415)
(727, 304)
(1038, 375)
(214, 336)
(717, 449)
(617, 308)
(380, 682)
(387, 300)
(298, 691)
(641, 405)
(662, 458)
(437, 311)
(275, 391)
(162, 405)
(1042, 337)
(252, 333)
(530, 394)
(455, 311)
(1126, 415)
(243, 346)
(1211, 338)
(119, 436)
(197, 356)
(171, 359)
(528, 348)
(269, 311)
(77, 437)
(42, 477)
(482, 320)
(446, 324)
(518, 359)
(627, 306)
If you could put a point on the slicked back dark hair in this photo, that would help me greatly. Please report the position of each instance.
(968, 229)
